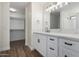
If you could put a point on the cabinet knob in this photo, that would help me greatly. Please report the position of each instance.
(38, 40)
(65, 55)
(51, 39)
(68, 44)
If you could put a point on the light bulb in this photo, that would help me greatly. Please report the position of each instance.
(12, 10)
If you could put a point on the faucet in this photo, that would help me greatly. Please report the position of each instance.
(46, 29)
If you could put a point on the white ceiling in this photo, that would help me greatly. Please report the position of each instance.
(18, 5)
(21, 5)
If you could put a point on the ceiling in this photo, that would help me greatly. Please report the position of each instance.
(21, 5)
(18, 5)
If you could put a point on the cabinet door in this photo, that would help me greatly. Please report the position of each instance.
(74, 54)
(73, 45)
(69, 53)
(42, 44)
(68, 48)
(66, 53)
(39, 43)
(35, 41)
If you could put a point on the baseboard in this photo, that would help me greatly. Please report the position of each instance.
(5, 49)
(31, 47)
(16, 40)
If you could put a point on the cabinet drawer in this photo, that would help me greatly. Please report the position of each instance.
(70, 44)
(65, 53)
(69, 53)
(51, 55)
(52, 50)
(52, 40)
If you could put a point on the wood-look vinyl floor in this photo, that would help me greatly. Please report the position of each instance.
(18, 49)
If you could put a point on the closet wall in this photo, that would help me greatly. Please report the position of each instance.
(17, 26)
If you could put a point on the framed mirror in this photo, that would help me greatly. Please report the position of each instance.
(55, 20)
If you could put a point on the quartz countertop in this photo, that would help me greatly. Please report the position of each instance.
(74, 36)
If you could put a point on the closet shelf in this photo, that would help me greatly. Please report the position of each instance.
(17, 18)
(16, 29)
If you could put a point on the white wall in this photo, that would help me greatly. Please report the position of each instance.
(46, 16)
(17, 14)
(46, 20)
(4, 26)
(37, 17)
(65, 13)
(28, 30)
(0, 26)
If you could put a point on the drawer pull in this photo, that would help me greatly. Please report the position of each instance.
(51, 39)
(51, 48)
(68, 44)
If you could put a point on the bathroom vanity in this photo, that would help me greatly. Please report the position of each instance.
(56, 44)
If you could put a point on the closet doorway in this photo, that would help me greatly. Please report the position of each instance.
(17, 24)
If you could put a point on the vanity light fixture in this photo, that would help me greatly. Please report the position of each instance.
(50, 8)
(56, 6)
(53, 7)
(12, 10)
(59, 3)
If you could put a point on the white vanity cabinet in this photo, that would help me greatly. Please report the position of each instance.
(39, 43)
(55, 46)
(68, 48)
(45, 44)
